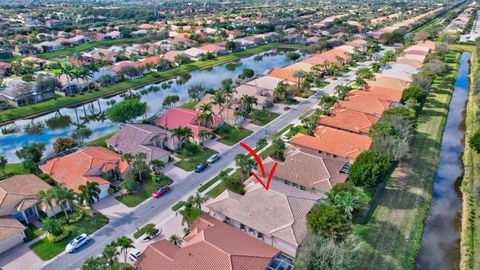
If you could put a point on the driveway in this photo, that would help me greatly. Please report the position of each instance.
(111, 208)
(217, 146)
(175, 172)
(152, 209)
(20, 257)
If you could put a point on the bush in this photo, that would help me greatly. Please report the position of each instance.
(417, 93)
(75, 217)
(475, 141)
(327, 220)
(63, 143)
(143, 230)
(192, 149)
(368, 169)
(60, 237)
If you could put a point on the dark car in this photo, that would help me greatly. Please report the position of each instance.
(202, 166)
(160, 191)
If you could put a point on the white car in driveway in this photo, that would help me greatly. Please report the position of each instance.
(212, 159)
(134, 254)
(79, 241)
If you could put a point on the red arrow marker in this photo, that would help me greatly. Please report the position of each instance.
(262, 169)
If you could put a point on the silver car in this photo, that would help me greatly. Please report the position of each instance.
(79, 241)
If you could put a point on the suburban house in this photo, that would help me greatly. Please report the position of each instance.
(227, 112)
(389, 82)
(88, 164)
(285, 74)
(332, 142)
(401, 67)
(214, 49)
(19, 202)
(396, 74)
(5, 68)
(74, 86)
(314, 173)
(349, 120)
(411, 62)
(195, 53)
(307, 67)
(211, 244)
(148, 139)
(182, 117)
(363, 101)
(285, 206)
(267, 82)
(263, 96)
(20, 93)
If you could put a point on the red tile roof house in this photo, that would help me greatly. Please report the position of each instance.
(182, 117)
(277, 216)
(333, 142)
(85, 165)
(305, 171)
(349, 120)
(19, 202)
(364, 101)
(210, 245)
(151, 140)
(214, 48)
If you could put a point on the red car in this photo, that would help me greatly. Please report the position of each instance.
(160, 191)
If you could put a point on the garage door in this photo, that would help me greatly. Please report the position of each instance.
(11, 242)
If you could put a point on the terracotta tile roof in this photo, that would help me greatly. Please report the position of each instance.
(388, 82)
(300, 66)
(388, 94)
(210, 245)
(411, 62)
(285, 74)
(363, 101)
(332, 141)
(9, 227)
(287, 217)
(311, 171)
(427, 43)
(212, 48)
(349, 120)
(18, 188)
(134, 138)
(182, 117)
(413, 51)
(397, 74)
(86, 164)
(170, 56)
(118, 67)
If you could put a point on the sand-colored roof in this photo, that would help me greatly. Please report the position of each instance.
(311, 171)
(333, 141)
(388, 94)
(427, 43)
(349, 120)
(85, 165)
(19, 188)
(411, 62)
(266, 82)
(210, 245)
(9, 227)
(285, 74)
(286, 208)
(401, 75)
(388, 82)
(307, 67)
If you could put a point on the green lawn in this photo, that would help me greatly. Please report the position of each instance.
(32, 232)
(296, 129)
(189, 105)
(212, 181)
(144, 193)
(60, 102)
(12, 169)
(218, 189)
(99, 141)
(188, 163)
(394, 230)
(289, 126)
(261, 117)
(234, 135)
(47, 250)
(86, 46)
(178, 205)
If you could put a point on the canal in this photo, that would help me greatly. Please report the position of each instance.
(92, 116)
(441, 237)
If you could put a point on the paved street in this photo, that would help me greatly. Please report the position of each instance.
(152, 208)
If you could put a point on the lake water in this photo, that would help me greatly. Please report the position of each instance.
(92, 115)
(441, 237)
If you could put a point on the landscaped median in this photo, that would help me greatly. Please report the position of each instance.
(61, 101)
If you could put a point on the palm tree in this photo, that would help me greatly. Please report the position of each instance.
(299, 74)
(124, 243)
(248, 101)
(219, 100)
(347, 203)
(110, 253)
(280, 91)
(177, 133)
(66, 70)
(197, 200)
(309, 123)
(157, 164)
(245, 164)
(205, 118)
(203, 134)
(46, 198)
(139, 164)
(360, 82)
(89, 193)
(206, 107)
(94, 263)
(60, 194)
(187, 133)
(175, 239)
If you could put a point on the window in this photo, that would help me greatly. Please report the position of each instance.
(302, 188)
(250, 230)
(227, 220)
(242, 227)
(260, 235)
(286, 182)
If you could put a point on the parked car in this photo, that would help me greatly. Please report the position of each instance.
(213, 158)
(202, 166)
(284, 138)
(79, 241)
(134, 254)
(161, 191)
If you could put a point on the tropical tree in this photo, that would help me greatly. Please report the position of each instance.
(95, 263)
(309, 123)
(110, 253)
(246, 165)
(89, 193)
(175, 239)
(62, 195)
(248, 101)
(63, 143)
(124, 243)
(203, 134)
(206, 108)
(360, 82)
(205, 118)
(197, 200)
(157, 164)
(300, 75)
(280, 91)
(33, 152)
(126, 111)
(3, 164)
(219, 99)
(46, 197)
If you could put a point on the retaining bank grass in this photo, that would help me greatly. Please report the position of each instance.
(394, 230)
